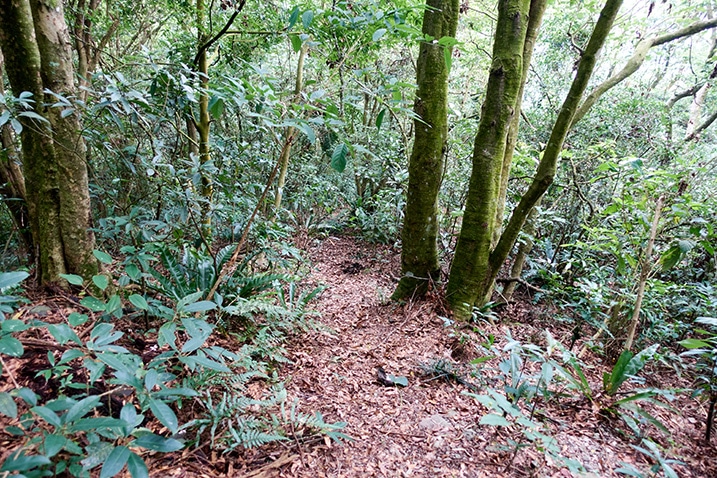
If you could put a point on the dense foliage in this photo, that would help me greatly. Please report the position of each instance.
(638, 168)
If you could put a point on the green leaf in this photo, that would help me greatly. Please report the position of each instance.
(101, 281)
(378, 34)
(94, 304)
(48, 415)
(33, 115)
(114, 304)
(11, 279)
(164, 414)
(13, 325)
(295, 42)
(11, 346)
(307, 18)
(208, 363)
(21, 462)
(693, 343)
(158, 443)
(293, 17)
(338, 157)
(201, 306)
(379, 119)
(53, 444)
(139, 302)
(448, 58)
(86, 424)
(63, 333)
(81, 408)
(671, 257)
(136, 466)
(115, 462)
(8, 407)
(495, 420)
(308, 132)
(73, 279)
(216, 106)
(103, 257)
(76, 319)
(27, 395)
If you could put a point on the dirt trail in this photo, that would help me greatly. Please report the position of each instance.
(431, 427)
(425, 429)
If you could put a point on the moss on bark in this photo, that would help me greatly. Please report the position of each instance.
(470, 270)
(419, 254)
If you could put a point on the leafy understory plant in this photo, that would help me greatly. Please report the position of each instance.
(705, 349)
(661, 464)
(630, 408)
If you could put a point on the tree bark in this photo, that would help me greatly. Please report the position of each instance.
(57, 74)
(645, 269)
(470, 275)
(535, 19)
(419, 252)
(290, 132)
(35, 43)
(475, 266)
(206, 190)
(12, 181)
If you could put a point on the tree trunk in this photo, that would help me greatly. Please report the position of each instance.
(475, 266)
(290, 133)
(470, 273)
(206, 190)
(535, 19)
(419, 253)
(12, 181)
(57, 74)
(59, 216)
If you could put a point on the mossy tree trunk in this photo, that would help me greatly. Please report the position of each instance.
(470, 272)
(35, 43)
(535, 20)
(419, 253)
(475, 265)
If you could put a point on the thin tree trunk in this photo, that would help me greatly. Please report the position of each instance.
(636, 61)
(537, 9)
(12, 181)
(206, 190)
(470, 275)
(521, 256)
(645, 268)
(290, 132)
(419, 252)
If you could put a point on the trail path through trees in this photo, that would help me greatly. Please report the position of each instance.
(429, 428)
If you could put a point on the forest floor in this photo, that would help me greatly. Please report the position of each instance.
(431, 427)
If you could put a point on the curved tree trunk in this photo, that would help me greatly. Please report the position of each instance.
(419, 253)
(470, 272)
(475, 266)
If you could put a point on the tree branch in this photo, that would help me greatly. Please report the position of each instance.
(221, 33)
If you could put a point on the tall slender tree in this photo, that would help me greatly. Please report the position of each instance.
(419, 254)
(36, 46)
